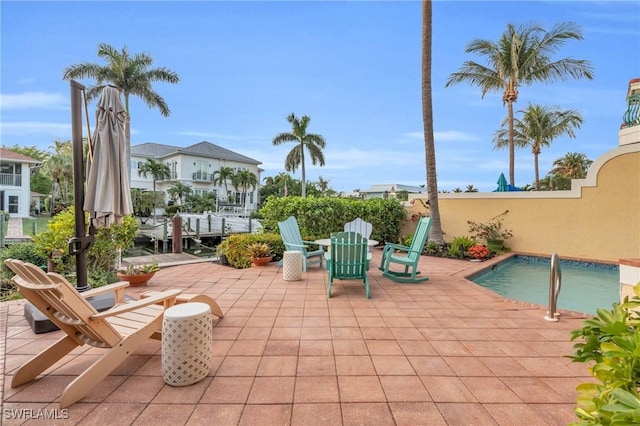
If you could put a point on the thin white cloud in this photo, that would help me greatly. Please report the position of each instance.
(24, 128)
(28, 100)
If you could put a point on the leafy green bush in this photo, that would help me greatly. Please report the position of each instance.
(21, 251)
(319, 217)
(234, 247)
(54, 244)
(612, 340)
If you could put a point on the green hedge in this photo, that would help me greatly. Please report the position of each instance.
(234, 247)
(319, 217)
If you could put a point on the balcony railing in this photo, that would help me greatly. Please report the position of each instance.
(202, 176)
(631, 117)
(9, 179)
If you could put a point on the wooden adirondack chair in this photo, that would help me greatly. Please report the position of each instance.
(120, 329)
(360, 226)
(348, 259)
(290, 233)
(406, 256)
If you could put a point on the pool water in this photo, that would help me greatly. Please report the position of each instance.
(585, 286)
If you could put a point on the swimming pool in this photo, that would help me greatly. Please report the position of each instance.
(585, 286)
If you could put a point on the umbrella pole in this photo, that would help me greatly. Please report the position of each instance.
(78, 245)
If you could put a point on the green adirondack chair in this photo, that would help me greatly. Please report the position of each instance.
(348, 259)
(290, 234)
(406, 256)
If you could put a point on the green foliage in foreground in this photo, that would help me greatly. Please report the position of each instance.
(612, 340)
(22, 251)
(101, 257)
(319, 217)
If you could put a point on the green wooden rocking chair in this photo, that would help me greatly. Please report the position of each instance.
(348, 259)
(406, 256)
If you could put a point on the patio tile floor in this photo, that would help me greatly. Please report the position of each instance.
(442, 352)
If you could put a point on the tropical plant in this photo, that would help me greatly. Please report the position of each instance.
(471, 188)
(245, 180)
(537, 128)
(179, 190)
(491, 229)
(222, 177)
(435, 232)
(132, 75)
(158, 171)
(314, 143)
(573, 165)
(258, 250)
(59, 166)
(522, 56)
(140, 269)
(611, 340)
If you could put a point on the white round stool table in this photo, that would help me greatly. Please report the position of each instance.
(292, 265)
(187, 343)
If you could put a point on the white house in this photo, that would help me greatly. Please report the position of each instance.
(195, 166)
(390, 189)
(15, 182)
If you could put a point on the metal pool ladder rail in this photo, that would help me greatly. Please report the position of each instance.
(555, 283)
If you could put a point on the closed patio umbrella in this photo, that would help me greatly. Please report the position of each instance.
(502, 184)
(108, 196)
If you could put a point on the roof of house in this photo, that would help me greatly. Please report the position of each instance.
(389, 187)
(6, 154)
(201, 149)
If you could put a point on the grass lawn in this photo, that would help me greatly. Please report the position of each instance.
(42, 224)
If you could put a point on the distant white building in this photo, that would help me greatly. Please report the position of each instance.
(195, 166)
(15, 182)
(390, 189)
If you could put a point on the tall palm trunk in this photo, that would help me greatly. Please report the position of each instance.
(435, 234)
(512, 150)
(537, 173)
(304, 175)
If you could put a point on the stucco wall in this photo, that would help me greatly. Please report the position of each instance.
(598, 219)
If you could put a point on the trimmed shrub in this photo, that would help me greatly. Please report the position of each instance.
(234, 247)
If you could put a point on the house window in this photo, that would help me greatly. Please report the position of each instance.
(201, 170)
(251, 197)
(134, 164)
(13, 203)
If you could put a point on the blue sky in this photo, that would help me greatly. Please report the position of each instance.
(352, 66)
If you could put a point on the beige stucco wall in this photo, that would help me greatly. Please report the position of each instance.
(599, 219)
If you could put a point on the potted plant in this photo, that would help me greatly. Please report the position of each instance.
(478, 252)
(491, 231)
(138, 275)
(259, 253)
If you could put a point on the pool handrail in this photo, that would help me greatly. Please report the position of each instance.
(555, 284)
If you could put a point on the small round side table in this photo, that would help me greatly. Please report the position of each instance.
(292, 265)
(187, 343)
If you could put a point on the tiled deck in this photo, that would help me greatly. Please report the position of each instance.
(442, 352)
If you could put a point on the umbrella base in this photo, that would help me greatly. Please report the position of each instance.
(39, 323)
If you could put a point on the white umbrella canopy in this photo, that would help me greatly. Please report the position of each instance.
(108, 196)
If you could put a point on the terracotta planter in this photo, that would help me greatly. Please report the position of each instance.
(138, 279)
(261, 261)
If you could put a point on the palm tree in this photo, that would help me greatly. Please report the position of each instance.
(244, 180)
(59, 165)
(314, 143)
(521, 57)
(179, 190)
(158, 171)
(435, 233)
(539, 126)
(130, 74)
(471, 188)
(573, 165)
(222, 177)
